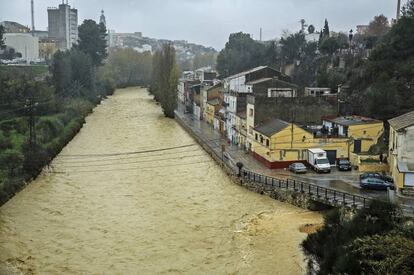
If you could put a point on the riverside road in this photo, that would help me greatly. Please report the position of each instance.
(341, 181)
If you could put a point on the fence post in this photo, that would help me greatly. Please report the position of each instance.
(326, 194)
(344, 200)
(294, 185)
(334, 195)
(364, 202)
(309, 186)
(353, 200)
(273, 182)
(317, 191)
(301, 187)
(280, 183)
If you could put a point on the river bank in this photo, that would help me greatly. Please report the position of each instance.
(172, 212)
(54, 132)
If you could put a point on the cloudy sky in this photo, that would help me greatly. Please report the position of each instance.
(209, 22)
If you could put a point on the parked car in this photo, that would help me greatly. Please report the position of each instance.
(344, 165)
(376, 181)
(376, 175)
(298, 168)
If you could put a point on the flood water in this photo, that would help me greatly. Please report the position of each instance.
(108, 207)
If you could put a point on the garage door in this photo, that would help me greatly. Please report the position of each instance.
(409, 179)
(331, 156)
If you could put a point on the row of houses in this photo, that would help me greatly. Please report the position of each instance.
(257, 110)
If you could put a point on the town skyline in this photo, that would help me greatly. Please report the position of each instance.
(183, 18)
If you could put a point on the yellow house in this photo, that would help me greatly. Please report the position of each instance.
(278, 143)
(212, 107)
(401, 151)
(364, 132)
(211, 93)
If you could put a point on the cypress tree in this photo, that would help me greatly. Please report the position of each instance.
(326, 29)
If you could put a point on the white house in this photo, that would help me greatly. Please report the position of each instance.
(25, 44)
(401, 150)
(314, 91)
(236, 89)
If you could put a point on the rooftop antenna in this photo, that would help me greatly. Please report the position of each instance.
(33, 22)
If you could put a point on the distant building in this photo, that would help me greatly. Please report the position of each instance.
(316, 91)
(206, 75)
(401, 151)
(117, 40)
(312, 37)
(47, 48)
(63, 26)
(23, 43)
(14, 27)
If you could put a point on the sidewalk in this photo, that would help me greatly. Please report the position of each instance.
(341, 181)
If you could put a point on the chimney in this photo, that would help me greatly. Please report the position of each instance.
(33, 21)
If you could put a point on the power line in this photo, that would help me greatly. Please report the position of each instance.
(106, 159)
(131, 153)
(134, 162)
(129, 169)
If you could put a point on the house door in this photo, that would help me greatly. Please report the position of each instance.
(357, 146)
(331, 154)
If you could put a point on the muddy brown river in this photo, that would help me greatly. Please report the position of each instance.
(113, 204)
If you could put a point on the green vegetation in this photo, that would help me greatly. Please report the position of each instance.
(164, 79)
(377, 240)
(92, 41)
(126, 67)
(241, 53)
(65, 95)
(385, 80)
(1, 37)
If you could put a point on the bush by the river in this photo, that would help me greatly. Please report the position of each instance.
(377, 240)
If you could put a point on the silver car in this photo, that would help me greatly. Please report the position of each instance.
(298, 168)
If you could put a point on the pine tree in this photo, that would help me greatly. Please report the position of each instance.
(92, 41)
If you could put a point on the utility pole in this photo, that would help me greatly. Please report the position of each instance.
(261, 33)
(292, 120)
(31, 107)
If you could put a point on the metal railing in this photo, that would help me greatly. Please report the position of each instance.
(322, 194)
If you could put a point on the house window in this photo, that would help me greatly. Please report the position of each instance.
(267, 143)
(261, 139)
(257, 138)
(251, 112)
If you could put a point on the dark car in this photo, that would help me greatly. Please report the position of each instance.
(376, 181)
(377, 176)
(344, 165)
(298, 168)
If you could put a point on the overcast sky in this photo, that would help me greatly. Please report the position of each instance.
(209, 22)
